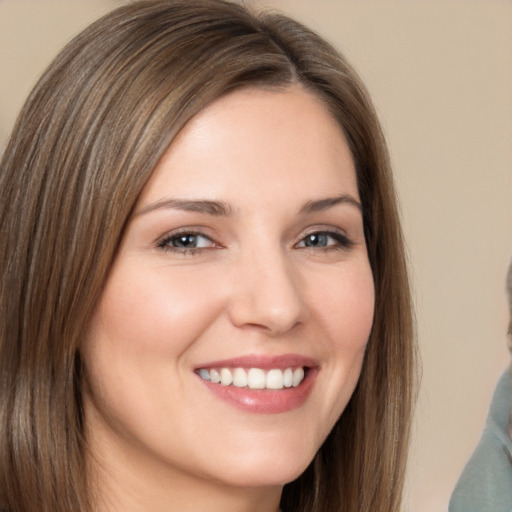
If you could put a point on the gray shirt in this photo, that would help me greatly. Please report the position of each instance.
(485, 485)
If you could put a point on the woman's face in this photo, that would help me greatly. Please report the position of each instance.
(245, 262)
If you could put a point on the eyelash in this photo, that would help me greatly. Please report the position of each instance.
(164, 243)
(342, 242)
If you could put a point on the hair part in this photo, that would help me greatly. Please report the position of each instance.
(84, 146)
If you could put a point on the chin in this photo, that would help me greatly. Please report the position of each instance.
(263, 476)
(265, 466)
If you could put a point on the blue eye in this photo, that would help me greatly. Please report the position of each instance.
(325, 240)
(185, 242)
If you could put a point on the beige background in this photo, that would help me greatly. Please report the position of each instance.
(440, 73)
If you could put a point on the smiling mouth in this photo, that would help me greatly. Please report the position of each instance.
(261, 384)
(255, 378)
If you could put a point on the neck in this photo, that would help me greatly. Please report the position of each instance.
(142, 498)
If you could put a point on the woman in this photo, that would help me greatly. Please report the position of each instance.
(204, 293)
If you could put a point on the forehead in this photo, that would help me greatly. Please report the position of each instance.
(281, 142)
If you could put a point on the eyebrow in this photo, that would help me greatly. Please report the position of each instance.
(215, 208)
(324, 204)
(222, 209)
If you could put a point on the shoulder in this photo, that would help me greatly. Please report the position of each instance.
(486, 482)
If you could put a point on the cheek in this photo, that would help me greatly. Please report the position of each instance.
(154, 311)
(140, 337)
(346, 306)
(137, 342)
(345, 309)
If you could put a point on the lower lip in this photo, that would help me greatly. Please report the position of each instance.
(265, 401)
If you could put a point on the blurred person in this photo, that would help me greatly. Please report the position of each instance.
(485, 484)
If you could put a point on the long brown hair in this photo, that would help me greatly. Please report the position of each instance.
(84, 145)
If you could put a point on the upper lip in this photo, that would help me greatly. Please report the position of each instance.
(264, 362)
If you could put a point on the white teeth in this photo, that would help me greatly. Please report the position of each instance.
(298, 376)
(226, 377)
(214, 376)
(254, 378)
(239, 378)
(288, 378)
(274, 379)
(204, 373)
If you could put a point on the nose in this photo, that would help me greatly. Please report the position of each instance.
(267, 294)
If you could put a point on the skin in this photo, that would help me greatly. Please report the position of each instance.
(160, 439)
